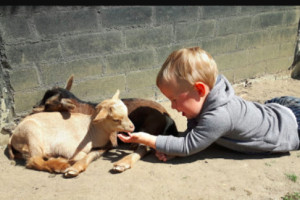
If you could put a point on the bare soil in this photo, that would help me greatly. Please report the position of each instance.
(215, 173)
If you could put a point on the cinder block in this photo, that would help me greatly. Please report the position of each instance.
(267, 19)
(40, 52)
(142, 79)
(257, 69)
(246, 10)
(146, 37)
(55, 23)
(241, 74)
(275, 35)
(289, 34)
(291, 17)
(164, 52)
(253, 39)
(286, 49)
(234, 25)
(279, 64)
(52, 74)
(232, 60)
(24, 101)
(263, 53)
(138, 39)
(132, 61)
(22, 79)
(167, 14)
(220, 45)
(126, 16)
(97, 90)
(282, 35)
(144, 93)
(214, 12)
(194, 30)
(93, 44)
(251, 71)
(284, 8)
(15, 27)
(229, 74)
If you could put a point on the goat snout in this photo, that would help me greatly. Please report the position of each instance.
(131, 126)
(128, 126)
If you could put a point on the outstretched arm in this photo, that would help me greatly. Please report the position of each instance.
(139, 137)
(146, 139)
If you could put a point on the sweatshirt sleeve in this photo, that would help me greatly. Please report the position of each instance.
(207, 130)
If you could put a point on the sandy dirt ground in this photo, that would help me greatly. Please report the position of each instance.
(215, 173)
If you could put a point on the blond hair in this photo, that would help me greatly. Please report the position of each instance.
(189, 64)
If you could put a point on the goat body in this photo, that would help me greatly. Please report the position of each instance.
(62, 142)
(146, 115)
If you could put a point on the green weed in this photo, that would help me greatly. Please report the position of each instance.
(268, 164)
(294, 196)
(292, 177)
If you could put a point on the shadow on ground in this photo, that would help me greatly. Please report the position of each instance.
(212, 152)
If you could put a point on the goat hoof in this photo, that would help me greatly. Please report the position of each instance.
(121, 168)
(69, 173)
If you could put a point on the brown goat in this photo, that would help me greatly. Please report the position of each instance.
(50, 142)
(146, 115)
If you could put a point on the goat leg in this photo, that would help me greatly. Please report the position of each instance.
(128, 161)
(57, 165)
(82, 164)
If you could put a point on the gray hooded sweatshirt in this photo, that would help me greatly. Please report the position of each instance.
(235, 123)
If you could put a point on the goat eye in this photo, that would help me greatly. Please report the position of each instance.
(116, 120)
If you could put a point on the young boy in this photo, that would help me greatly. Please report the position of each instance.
(189, 79)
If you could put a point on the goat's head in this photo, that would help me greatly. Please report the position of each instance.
(57, 99)
(113, 114)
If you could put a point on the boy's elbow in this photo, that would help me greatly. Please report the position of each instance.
(183, 153)
(189, 152)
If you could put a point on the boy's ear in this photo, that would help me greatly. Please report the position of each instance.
(200, 87)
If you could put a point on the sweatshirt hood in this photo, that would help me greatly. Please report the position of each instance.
(220, 95)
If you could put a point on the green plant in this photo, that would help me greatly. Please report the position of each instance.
(294, 196)
(292, 177)
(268, 164)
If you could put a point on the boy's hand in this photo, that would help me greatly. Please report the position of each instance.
(139, 137)
(130, 138)
(163, 157)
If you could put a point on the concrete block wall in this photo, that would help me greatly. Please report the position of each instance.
(123, 47)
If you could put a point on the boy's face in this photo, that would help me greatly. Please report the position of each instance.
(184, 98)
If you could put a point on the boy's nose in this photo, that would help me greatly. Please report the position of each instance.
(173, 105)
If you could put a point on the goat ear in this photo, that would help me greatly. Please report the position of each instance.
(38, 109)
(101, 115)
(116, 95)
(67, 104)
(53, 99)
(69, 82)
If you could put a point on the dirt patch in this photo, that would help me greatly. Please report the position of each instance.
(215, 173)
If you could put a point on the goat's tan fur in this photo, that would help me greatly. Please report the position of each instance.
(52, 143)
(153, 115)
